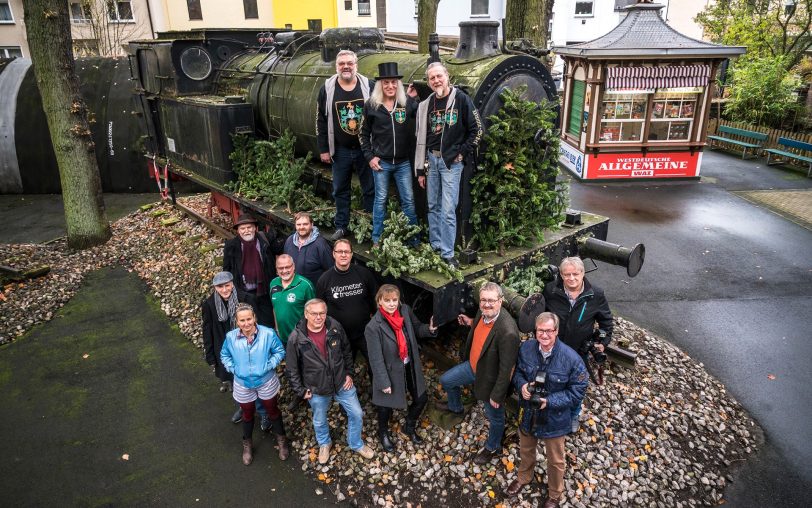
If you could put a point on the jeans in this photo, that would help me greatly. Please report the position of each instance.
(344, 160)
(462, 374)
(355, 417)
(442, 193)
(402, 174)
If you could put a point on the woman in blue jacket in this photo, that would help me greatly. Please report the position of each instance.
(251, 352)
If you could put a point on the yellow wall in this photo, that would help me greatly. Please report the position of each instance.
(297, 12)
(216, 14)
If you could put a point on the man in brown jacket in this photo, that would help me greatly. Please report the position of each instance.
(489, 355)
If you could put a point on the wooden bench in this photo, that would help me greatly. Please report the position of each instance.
(794, 144)
(743, 139)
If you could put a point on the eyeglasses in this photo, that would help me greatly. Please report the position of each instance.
(317, 314)
(488, 301)
(546, 332)
(284, 268)
(342, 252)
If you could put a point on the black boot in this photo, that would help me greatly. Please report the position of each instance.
(410, 429)
(386, 441)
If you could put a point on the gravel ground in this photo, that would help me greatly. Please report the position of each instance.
(665, 434)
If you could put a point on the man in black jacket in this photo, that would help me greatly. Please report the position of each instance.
(338, 122)
(250, 257)
(579, 306)
(318, 365)
(448, 132)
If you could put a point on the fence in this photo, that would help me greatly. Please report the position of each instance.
(772, 134)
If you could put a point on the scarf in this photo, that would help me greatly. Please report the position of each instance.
(229, 313)
(252, 271)
(396, 322)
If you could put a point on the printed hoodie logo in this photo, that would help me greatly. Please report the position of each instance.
(441, 116)
(399, 114)
(350, 117)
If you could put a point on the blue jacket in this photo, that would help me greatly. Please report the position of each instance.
(566, 384)
(252, 365)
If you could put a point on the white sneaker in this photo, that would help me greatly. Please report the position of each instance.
(324, 453)
(366, 452)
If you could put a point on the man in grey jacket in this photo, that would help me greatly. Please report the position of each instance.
(338, 123)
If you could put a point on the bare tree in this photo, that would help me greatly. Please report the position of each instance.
(426, 23)
(528, 19)
(102, 27)
(49, 41)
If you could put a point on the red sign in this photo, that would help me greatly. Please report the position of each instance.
(652, 165)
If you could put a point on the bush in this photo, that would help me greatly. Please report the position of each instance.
(762, 93)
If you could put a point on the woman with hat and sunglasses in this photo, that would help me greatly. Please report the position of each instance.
(387, 140)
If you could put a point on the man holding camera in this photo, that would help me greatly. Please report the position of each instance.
(552, 379)
(579, 305)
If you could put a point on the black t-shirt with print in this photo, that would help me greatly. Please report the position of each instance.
(437, 118)
(348, 117)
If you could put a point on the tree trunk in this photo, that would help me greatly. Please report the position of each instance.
(528, 19)
(49, 40)
(426, 23)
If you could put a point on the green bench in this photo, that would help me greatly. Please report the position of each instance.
(794, 144)
(744, 139)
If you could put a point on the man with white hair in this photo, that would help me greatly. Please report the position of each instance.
(339, 120)
(448, 132)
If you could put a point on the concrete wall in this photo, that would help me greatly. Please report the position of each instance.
(297, 12)
(401, 15)
(216, 14)
(12, 34)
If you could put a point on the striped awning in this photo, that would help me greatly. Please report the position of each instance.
(657, 77)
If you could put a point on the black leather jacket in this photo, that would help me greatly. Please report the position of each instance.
(307, 369)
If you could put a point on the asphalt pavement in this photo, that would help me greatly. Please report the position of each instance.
(730, 283)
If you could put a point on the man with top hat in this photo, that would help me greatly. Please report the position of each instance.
(250, 257)
(387, 140)
(448, 132)
(339, 121)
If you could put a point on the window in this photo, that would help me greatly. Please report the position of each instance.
(364, 9)
(195, 12)
(5, 13)
(583, 8)
(79, 12)
(347, 5)
(85, 47)
(11, 52)
(250, 7)
(672, 114)
(120, 11)
(623, 114)
(479, 7)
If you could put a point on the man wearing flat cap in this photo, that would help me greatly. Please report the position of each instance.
(219, 318)
(387, 140)
(251, 258)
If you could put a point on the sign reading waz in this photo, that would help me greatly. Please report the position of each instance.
(629, 165)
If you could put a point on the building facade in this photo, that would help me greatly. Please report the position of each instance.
(13, 41)
(401, 15)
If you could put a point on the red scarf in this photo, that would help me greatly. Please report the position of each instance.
(396, 322)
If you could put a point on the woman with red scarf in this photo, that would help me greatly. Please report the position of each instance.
(391, 338)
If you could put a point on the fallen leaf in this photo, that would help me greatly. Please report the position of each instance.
(633, 466)
(126, 456)
(322, 477)
(770, 376)
(447, 458)
(85, 356)
(510, 466)
(491, 494)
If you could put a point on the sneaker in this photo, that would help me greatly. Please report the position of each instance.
(339, 234)
(452, 262)
(484, 456)
(366, 452)
(324, 453)
(265, 423)
(237, 416)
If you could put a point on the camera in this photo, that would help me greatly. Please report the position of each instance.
(588, 347)
(538, 391)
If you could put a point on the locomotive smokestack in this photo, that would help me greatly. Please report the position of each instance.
(434, 48)
(478, 39)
